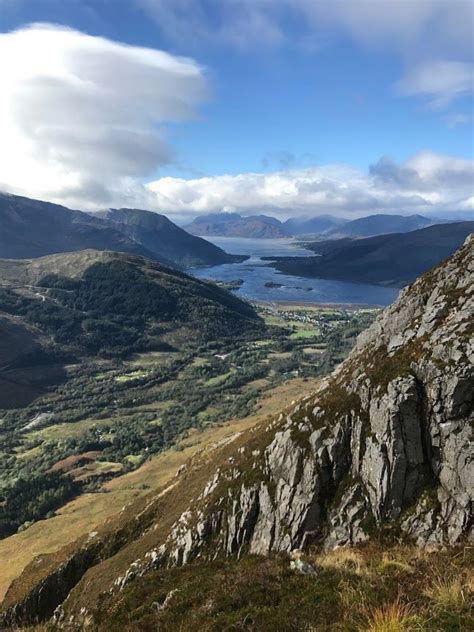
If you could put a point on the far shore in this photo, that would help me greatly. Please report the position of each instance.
(316, 306)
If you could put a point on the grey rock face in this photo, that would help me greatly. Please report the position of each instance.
(401, 452)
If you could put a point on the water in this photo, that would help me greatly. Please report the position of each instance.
(255, 273)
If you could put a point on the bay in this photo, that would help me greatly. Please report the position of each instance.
(256, 273)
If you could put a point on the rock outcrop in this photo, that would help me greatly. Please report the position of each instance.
(383, 447)
(386, 441)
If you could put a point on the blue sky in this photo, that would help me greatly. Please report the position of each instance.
(291, 85)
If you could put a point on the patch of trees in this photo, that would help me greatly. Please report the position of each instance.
(32, 498)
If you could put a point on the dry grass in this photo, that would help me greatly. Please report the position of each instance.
(449, 593)
(392, 617)
(394, 563)
(343, 559)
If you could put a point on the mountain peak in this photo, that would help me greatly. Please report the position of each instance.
(33, 228)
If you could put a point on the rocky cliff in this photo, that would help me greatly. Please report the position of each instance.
(382, 449)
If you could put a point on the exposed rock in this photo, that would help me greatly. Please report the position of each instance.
(302, 567)
(330, 477)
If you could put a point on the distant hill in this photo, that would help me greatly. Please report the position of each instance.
(164, 239)
(235, 225)
(395, 259)
(318, 225)
(380, 225)
(62, 308)
(32, 228)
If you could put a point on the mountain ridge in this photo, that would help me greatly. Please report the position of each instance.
(380, 448)
(163, 238)
(33, 228)
(380, 224)
(393, 259)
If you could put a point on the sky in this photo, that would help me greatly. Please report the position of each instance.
(283, 107)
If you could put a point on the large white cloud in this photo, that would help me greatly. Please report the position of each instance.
(81, 117)
(427, 183)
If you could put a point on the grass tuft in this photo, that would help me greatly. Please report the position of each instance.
(392, 617)
(448, 593)
(390, 564)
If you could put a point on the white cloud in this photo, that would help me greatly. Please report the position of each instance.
(441, 81)
(410, 27)
(243, 24)
(427, 182)
(82, 118)
(397, 24)
(424, 34)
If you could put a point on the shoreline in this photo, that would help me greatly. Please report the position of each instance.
(316, 306)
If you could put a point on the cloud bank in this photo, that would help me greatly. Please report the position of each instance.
(83, 122)
(426, 183)
(82, 117)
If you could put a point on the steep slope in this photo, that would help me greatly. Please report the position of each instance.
(380, 225)
(383, 448)
(395, 259)
(32, 228)
(234, 225)
(164, 239)
(65, 307)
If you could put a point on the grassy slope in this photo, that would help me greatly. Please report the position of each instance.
(106, 287)
(370, 589)
(90, 510)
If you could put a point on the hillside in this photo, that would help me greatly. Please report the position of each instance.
(319, 225)
(395, 259)
(164, 239)
(65, 307)
(380, 225)
(380, 451)
(235, 225)
(32, 228)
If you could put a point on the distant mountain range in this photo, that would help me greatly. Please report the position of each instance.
(264, 226)
(260, 226)
(394, 259)
(32, 228)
